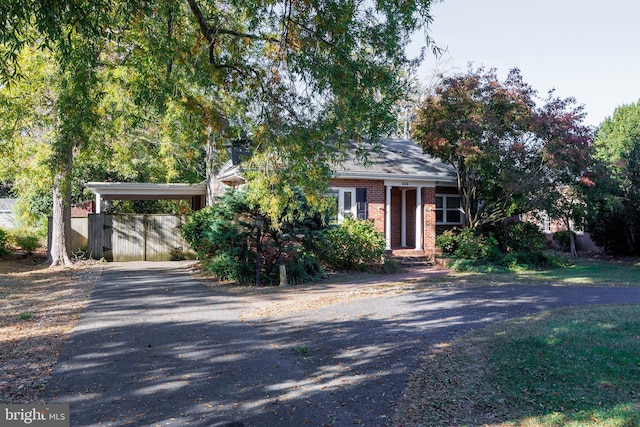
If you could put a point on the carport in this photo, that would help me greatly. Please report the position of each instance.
(197, 193)
(140, 237)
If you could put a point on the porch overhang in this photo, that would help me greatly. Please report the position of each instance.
(147, 191)
(444, 179)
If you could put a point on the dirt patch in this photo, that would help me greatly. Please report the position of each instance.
(39, 307)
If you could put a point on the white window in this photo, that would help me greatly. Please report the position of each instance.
(546, 222)
(449, 210)
(345, 203)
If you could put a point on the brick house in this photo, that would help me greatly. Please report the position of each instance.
(405, 192)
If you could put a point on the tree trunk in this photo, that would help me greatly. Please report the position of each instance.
(210, 159)
(572, 239)
(61, 219)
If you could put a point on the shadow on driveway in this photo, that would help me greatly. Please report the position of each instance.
(154, 347)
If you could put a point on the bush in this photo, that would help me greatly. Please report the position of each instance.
(617, 230)
(28, 242)
(354, 244)
(531, 260)
(479, 253)
(303, 269)
(467, 244)
(225, 237)
(563, 239)
(225, 267)
(521, 236)
(447, 241)
(3, 243)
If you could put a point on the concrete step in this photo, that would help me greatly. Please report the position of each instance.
(410, 258)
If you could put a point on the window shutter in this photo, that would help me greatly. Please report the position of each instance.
(361, 200)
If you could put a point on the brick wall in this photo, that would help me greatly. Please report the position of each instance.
(429, 215)
(376, 193)
(375, 197)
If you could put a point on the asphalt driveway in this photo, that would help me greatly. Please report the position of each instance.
(155, 347)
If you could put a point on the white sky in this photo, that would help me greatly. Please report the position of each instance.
(586, 49)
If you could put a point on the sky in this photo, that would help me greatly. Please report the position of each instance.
(585, 49)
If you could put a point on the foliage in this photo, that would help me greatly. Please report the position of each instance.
(225, 237)
(617, 230)
(353, 244)
(466, 243)
(521, 236)
(28, 242)
(505, 150)
(141, 87)
(617, 145)
(302, 350)
(563, 237)
(517, 247)
(3, 243)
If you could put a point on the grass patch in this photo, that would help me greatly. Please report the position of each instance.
(302, 350)
(584, 271)
(571, 367)
(27, 316)
(581, 272)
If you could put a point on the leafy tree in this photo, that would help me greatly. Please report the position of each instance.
(568, 190)
(504, 148)
(73, 32)
(307, 78)
(617, 146)
(482, 127)
(299, 78)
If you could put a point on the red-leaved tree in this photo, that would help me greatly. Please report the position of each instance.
(507, 151)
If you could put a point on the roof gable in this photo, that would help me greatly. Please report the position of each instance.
(392, 159)
(396, 158)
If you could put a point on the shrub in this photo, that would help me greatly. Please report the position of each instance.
(467, 244)
(3, 243)
(521, 236)
(303, 269)
(563, 239)
(617, 231)
(447, 241)
(531, 260)
(354, 244)
(28, 242)
(225, 267)
(479, 253)
(225, 237)
(476, 266)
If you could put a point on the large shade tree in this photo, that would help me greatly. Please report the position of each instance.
(617, 146)
(567, 189)
(507, 152)
(299, 78)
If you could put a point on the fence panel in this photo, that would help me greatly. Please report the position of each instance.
(128, 237)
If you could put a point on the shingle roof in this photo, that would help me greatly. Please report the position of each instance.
(398, 158)
(394, 159)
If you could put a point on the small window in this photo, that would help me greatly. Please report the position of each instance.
(449, 210)
(346, 205)
(361, 201)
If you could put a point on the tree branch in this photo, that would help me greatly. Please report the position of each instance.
(208, 31)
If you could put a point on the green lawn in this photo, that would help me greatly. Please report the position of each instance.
(589, 272)
(571, 367)
(584, 272)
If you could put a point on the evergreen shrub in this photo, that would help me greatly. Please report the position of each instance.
(353, 244)
(521, 236)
